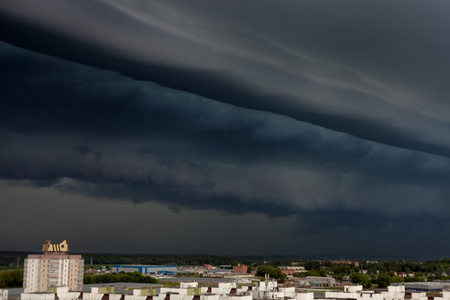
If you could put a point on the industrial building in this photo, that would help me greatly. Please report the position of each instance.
(145, 269)
(53, 268)
(432, 286)
(320, 281)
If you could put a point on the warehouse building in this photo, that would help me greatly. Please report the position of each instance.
(145, 269)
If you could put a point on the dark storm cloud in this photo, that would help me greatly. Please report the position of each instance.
(370, 235)
(83, 130)
(376, 70)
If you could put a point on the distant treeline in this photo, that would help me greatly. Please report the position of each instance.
(374, 267)
(9, 259)
(122, 277)
(185, 260)
(11, 279)
(368, 273)
(380, 273)
(437, 268)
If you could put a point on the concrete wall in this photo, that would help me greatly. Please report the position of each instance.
(190, 290)
(188, 284)
(61, 292)
(394, 292)
(353, 288)
(305, 296)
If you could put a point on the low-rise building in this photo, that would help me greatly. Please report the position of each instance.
(52, 293)
(239, 269)
(320, 281)
(3, 294)
(431, 286)
(263, 290)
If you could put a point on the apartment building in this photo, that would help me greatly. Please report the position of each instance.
(53, 268)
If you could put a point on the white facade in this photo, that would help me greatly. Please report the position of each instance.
(3, 294)
(31, 275)
(354, 292)
(305, 296)
(445, 295)
(266, 290)
(186, 291)
(353, 288)
(185, 285)
(394, 292)
(62, 292)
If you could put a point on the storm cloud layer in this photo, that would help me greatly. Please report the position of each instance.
(383, 65)
(331, 125)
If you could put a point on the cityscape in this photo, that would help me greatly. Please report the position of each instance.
(58, 274)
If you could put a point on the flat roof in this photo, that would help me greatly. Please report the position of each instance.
(121, 287)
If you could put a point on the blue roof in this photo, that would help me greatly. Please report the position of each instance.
(140, 266)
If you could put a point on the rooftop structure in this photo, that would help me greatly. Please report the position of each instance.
(50, 248)
(264, 290)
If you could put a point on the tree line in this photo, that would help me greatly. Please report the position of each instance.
(11, 279)
(178, 260)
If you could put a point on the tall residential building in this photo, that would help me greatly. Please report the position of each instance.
(53, 268)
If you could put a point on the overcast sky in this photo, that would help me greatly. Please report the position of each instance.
(226, 127)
